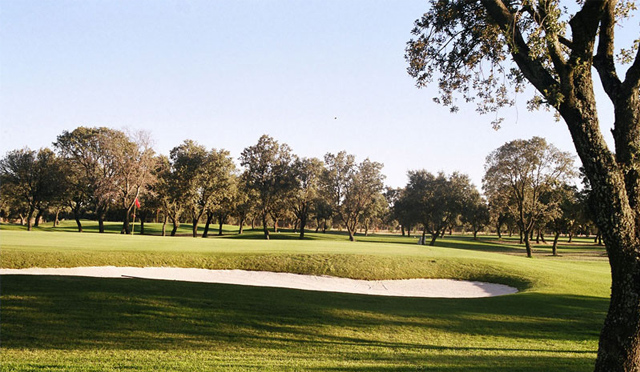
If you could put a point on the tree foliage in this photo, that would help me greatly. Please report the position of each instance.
(435, 201)
(32, 179)
(523, 171)
(268, 174)
(351, 188)
(307, 173)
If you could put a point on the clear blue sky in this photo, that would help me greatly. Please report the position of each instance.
(320, 75)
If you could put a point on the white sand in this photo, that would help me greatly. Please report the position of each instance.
(443, 288)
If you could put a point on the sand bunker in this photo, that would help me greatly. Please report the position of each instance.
(439, 288)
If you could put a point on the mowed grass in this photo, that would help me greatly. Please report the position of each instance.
(88, 324)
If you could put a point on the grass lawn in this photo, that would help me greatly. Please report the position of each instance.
(88, 324)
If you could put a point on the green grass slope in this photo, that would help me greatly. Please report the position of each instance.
(88, 324)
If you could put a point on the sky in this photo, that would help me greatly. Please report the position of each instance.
(320, 75)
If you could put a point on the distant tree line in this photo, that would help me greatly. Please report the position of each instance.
(527, 189)
(103, 173)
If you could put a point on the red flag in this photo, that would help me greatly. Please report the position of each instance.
(137, 203)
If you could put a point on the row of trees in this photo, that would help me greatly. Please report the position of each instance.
(102, 170)
(527, 185)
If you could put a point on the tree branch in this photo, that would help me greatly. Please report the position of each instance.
(584, 26)
(603, 60)
(566, 42)
(632, 78)
(532, 69)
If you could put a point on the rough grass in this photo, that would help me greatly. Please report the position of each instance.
(88, 324)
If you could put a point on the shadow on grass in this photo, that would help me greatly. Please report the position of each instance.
(68, 313)
(228, 232)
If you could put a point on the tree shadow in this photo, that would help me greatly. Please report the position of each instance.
(71, 313)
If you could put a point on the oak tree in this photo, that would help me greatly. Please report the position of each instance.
(488, 49)
(268, 174)
(525, 170)
(351, 188)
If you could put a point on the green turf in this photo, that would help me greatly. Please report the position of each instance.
(84, 324)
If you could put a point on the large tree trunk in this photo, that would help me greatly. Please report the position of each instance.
(527, 243)
(221, 219)
(78, 223)
(616, 190)
(76, 216)
(126, 225)
(176, 224)
(352, 234)
(303, 224)
(194, 227)
(205, 233)
(36, 223)
(29, 217)
(554, 249)
(101, 213)
(241, 224)
(264, 225)
(351, 223)
(165, 218)
(434, 236)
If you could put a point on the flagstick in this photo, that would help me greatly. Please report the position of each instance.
(133, 225)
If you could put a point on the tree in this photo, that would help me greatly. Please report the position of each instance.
(475, 212)
(243, 203)
(133, 160)
(307, 172)
(351, 188)
(322, 211)
(268, 174)
(374, 213)
(225, 196)
(499, 212)
(92, 157)
(436, 200)
(564, 213)
(168, 190)
(188, 162)
(405, 211)
(525, 170)
(209, 183)
(32, 178)
(471, 44)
